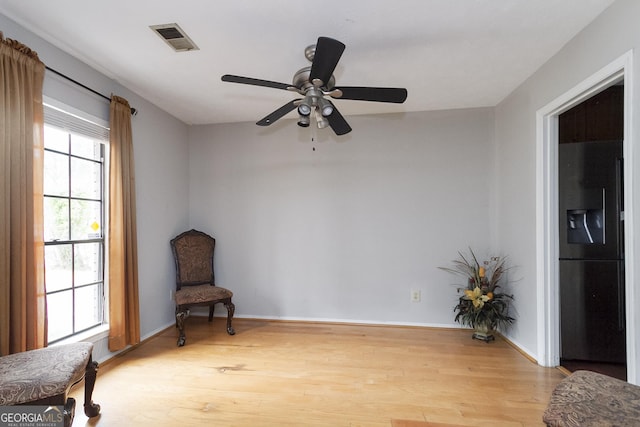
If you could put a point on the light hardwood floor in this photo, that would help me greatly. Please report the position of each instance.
(275, 373)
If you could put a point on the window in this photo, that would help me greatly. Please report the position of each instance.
(74, 215)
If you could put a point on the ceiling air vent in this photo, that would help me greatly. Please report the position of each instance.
(175, 37)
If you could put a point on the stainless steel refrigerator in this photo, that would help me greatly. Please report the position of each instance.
(591, 244)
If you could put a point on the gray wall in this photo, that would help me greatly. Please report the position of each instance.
(346, 231)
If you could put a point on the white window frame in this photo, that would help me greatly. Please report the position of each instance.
(82, 123)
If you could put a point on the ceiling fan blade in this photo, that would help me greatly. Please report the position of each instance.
(279, 113)
(337, 122)
(377, 94)
(255, 82)
(325, 60)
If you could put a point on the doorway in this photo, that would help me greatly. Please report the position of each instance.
(547, 208)
(591, 234)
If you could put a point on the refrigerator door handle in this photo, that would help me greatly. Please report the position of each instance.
(621, 297)
(620, 232)
(620, 205)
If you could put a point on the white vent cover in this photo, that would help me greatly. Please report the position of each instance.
(175, 37)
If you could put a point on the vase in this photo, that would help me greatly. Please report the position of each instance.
(483, 332)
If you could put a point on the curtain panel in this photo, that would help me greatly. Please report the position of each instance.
(124, 316)
(22, 293)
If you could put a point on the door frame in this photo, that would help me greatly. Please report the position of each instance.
(547, 251)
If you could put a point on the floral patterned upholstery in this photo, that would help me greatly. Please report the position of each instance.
(589, 399)
(39, 374)
(201, 294)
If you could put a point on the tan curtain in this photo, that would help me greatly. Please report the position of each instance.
(22, 295)
(124, 316)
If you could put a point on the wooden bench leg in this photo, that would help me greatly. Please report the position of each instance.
(90, 409)
(69, 411)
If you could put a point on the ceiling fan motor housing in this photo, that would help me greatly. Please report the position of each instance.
(302, 83)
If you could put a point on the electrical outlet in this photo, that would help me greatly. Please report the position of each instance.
(415, 295)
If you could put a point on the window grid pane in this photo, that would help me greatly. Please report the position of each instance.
(56, 139)
(60, 309)
(86, 148)
(88, 263)
(86, 179)
(59, 271)
(56, 219)
(88, 304)
(86, 219)
(56, 174)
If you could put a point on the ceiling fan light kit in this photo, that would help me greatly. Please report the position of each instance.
(315, 83)
(304, 121)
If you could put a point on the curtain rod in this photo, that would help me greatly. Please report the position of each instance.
(133, 110)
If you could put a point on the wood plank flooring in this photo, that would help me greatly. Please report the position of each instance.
(275, 373)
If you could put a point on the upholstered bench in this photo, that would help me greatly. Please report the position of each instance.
(589, 399)
(45, 376)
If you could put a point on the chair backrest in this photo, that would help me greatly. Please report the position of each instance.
(193, 254)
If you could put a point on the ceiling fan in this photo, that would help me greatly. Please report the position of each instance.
(316, 82)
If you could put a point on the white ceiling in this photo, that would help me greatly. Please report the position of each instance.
(447, 53)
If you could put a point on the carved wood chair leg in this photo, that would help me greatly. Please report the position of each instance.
(231, 309)
(211, 312)
(180, 316)
(90, 409)
(69, 412)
